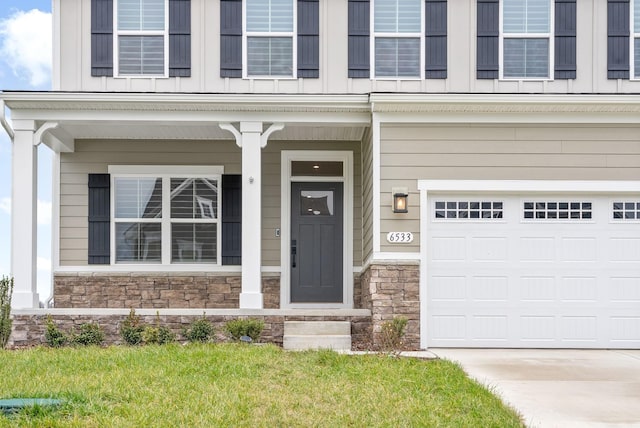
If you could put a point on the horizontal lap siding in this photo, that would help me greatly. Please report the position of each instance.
(367, 196)
(410, 153)
(95, 156)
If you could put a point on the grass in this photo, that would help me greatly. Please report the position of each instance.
(239, 385)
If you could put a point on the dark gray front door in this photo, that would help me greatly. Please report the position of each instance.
(316, 242)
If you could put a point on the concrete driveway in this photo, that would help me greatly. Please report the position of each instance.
(559, 388)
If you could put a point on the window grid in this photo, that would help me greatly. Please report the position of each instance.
(635, 39)
(557, 210)
(626, 210)
(160, 232)
(518, 49)
(269, 46)
(398, 39)
(468, 210)
(141, 51)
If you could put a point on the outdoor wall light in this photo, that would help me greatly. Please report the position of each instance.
(400, 200)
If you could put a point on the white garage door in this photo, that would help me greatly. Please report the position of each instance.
(545, 271)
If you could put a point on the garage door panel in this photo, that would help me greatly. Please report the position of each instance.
(534, 283)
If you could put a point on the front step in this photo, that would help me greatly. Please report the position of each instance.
(303, 335)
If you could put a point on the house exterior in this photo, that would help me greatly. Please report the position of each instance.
(243, 157)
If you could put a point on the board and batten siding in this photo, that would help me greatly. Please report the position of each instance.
(476, 152)
(74, 66)
(95, 156)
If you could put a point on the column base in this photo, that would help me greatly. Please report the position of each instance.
(25, 300)
(251, 301)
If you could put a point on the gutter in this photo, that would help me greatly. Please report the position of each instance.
(7, 127)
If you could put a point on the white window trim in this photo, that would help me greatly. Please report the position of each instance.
(294, 45)
(116, 45)
(559, 199)
(634, 35)
(166, 173)
(549, 36)
(372, 44)
(621, 220)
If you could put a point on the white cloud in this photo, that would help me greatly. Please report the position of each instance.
(44, 210)
(26, 45)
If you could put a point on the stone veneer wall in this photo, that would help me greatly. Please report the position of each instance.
(156, 290)
(28, 330)
(392, 289)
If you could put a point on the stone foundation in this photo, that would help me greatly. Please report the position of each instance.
(391, 290)
(28, 330)
(156, 290)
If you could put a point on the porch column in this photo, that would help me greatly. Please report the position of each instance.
(251, 139)
(24, 176)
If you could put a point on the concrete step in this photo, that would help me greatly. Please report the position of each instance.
(302, 335)
(304, 342)
(317, 328)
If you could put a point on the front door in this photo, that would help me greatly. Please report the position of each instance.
(316, 242)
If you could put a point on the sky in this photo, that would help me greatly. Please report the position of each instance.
(25, 64)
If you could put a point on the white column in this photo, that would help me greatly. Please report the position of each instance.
(24, 175)
(251, 295)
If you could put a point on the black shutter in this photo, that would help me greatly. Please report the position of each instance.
(99, 221)
(487, 44)
(618, 39)
(359, 38)
(565, 39)
(231, 219)
(180, 38)
(435, 39)
(102, 37)
(308, 38)
(230, 38)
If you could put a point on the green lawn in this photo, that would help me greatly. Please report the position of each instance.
(237, 385)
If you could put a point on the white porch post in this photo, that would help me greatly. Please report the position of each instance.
(251, 139)
(24, 175)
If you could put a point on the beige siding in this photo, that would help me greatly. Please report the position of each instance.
(75, 61)
(367, 196)
(413, 152)
(95, 156)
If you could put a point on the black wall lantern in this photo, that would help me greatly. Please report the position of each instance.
(400, 200)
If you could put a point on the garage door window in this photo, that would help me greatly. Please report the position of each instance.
(626, 210)
(557, 210)
(468, 210)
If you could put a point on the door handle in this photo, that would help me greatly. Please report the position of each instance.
(294, 247)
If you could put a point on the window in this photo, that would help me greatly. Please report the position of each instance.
(166, 217)
(269, 38)
(557, 210)
(141, 40)
(397, 41)
(526, 36)
(635, 39)
(468, 210)
(626, 210)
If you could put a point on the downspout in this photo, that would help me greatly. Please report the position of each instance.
(3, 119)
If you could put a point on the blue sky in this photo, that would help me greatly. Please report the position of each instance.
(25, 64)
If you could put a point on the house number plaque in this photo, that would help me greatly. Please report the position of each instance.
(399, 237)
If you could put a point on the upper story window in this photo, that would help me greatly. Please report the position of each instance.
(397, 41)
(635, 40)
(526, 39)
(141, 38)
(270, 38)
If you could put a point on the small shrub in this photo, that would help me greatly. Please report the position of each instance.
(6, 290)
(132, 328)
(54, 337)
(392, 334)
(245, 327)
(158, 334)
(165, 335)
(90, 334)
(200, 330)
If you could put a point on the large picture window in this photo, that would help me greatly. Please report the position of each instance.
(398, 41)
(141, 38)
(526, 35)
(270, 42)
(166, 218)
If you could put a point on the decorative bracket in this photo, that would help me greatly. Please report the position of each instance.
(266, 134)
(229, 127)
